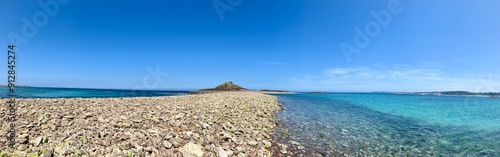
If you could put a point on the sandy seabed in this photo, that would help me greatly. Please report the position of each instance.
(210, 124)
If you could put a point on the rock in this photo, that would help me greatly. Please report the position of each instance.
(38, 141)
(41, 118)
(109, 150)
(252, 143)
(125, 146)
(47, 153)
(22, 147)
(266, 135)
(225, 146)
(69, 117)
(267, 145)
(169, 136)
(138, 135)
(242, 155)
(189, 133)
(167, 144)
(52, 126)
(32, 155)
(229, 153)
(294, 142)
(87, 115)
(62, 149)
(283, 149)
(23, 139)
(205, 126)
(191, 150)
(221, 152)
(176, 144)
(225, 136)
(179, 116)
(344, 132)
(102, 134)
(137, 120)
(240, 149)
(210, 139)
(102, 120)
(23, 136)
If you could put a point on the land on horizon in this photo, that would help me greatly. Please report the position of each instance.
(230, 86)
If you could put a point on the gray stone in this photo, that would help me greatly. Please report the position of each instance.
(22, 147)
(191, 150)
(87, 115)
(229, 153)
(189, 133)
(294, 143)
(48, 153)
(169, 136)
(167, 144)
(69, 117)
(38, 141)
(221, 152)
(137, 120)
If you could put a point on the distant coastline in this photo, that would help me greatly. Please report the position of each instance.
(18, 86)
(318, 92)
(450, 93)
(268, 91)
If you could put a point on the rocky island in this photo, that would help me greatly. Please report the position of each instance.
(226, 86)
(230, 86)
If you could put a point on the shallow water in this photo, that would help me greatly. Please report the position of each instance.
(363, 124)
(85, 93)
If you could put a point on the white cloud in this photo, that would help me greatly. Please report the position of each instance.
(393, 78)
(385, 73)
(401, 65)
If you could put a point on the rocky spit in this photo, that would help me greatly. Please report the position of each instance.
(202, 125)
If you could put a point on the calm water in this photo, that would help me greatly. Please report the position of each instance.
(392, 125)
(85, 93)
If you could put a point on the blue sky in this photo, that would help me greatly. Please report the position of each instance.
(292, 45)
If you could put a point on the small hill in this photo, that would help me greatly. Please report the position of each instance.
(226, 86)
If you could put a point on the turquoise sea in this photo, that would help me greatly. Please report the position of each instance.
(372, 124)
(40, 92)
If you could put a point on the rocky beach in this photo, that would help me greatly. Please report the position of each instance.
(238, 123)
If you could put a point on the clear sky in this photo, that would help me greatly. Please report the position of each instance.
(425, 45)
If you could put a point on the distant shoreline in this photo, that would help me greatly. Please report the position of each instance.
(267, 91)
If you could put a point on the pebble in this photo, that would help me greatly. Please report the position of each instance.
(48, 153)
(221, 152)
(191, 150)
(167, 144)
(22, 147)
(69, 117)
(38, 141)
